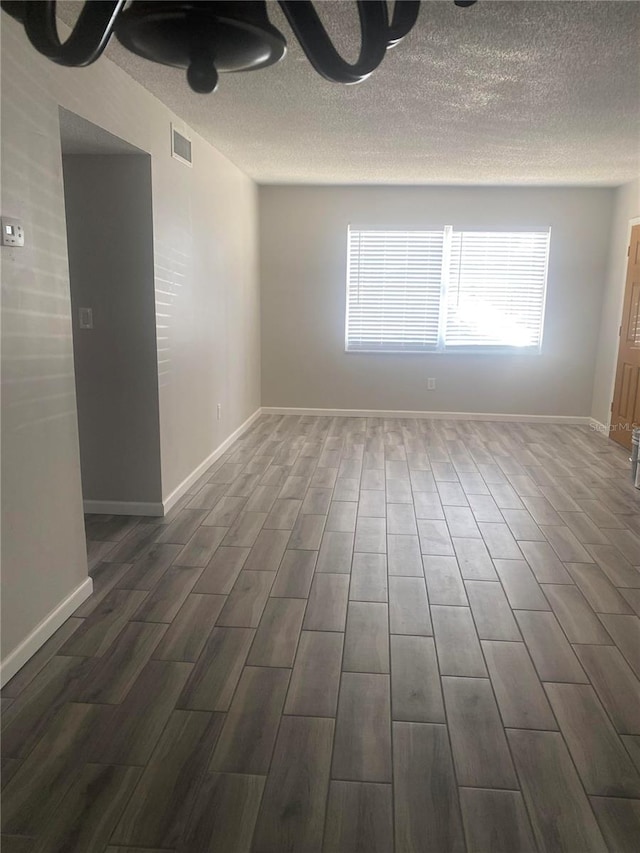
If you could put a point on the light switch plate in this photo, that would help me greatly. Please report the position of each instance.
(12, 232)
(85, 318)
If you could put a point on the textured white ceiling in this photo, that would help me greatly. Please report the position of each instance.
(501, 93)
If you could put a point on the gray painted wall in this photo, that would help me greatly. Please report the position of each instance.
(303, 271)
(110, 244)
(627, 206)
(207, 297)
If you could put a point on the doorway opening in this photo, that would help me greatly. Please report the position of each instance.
(108, 206)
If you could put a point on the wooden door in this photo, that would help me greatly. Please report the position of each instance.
(625, 409)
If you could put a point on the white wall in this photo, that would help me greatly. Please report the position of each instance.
(207, 302)
(626, 207)
(303, 238)
(109, 219)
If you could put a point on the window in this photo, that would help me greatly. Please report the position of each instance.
(446, 291)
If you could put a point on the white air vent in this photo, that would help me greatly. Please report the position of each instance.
(180, 146)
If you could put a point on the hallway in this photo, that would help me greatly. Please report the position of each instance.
(351, 635)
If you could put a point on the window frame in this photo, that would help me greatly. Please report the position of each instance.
(441, 348)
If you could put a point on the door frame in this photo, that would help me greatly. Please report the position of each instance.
(630, 226)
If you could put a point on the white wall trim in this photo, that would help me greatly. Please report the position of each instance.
(41, 633)
(122, 508)
(177, 493)
(437, 416)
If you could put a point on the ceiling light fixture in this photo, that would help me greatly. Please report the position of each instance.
(211, 36)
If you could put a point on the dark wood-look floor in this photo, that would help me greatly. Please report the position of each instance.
(351, 635)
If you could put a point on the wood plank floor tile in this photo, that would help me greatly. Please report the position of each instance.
(224, 814)
(277, 636)
(617, 568)
(522, 525)
(88, 812)
(403, 556)
(40, 659)
(313, 689)
(544, 563)
(372, 503)
(522, 589)
(157, 813)
(368, 577)
(632, 597)
(416, 694)
(109, 678)
(336, 552)
(619, 821)
(295, 574)
(167, 597)
(409, 607)
(98, 631)
(521, 699)
(245, 529)
(327, 604)
(584, 528)
(444, 581)
(213, 679)
(292, 812)
(34, 793)
(600, 758)
(427, 505)
(499, 541)
(362, 748)
(548, 646)
(597, 589)
(150, 567)
(307, 532)
(201, 547)
(617, 687)
(283, 514)
(474, 560)
(189, 631)
(625, 631)
(434, 538)
(366, 644)
(134, 544)
(183, 526)
(496, 821)
(247, 600)
(491, 612)
(427, 814)
(207, 497)
(28, 717)
(131, 732)
(250, 729)
(480, 750)
(457, 644)
(549, 782)
(371, 535)
(401, 520)
(222, 570)
(342, 517)
(566, 544)
(267, 551)
(573, 612)
(359, 818)
(262, 498)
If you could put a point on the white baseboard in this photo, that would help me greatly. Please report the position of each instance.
(41, 633)
(122, 508)
(177, 493)
(438, 416)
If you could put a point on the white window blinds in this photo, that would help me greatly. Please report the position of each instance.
(393, 293)
(417, 291)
